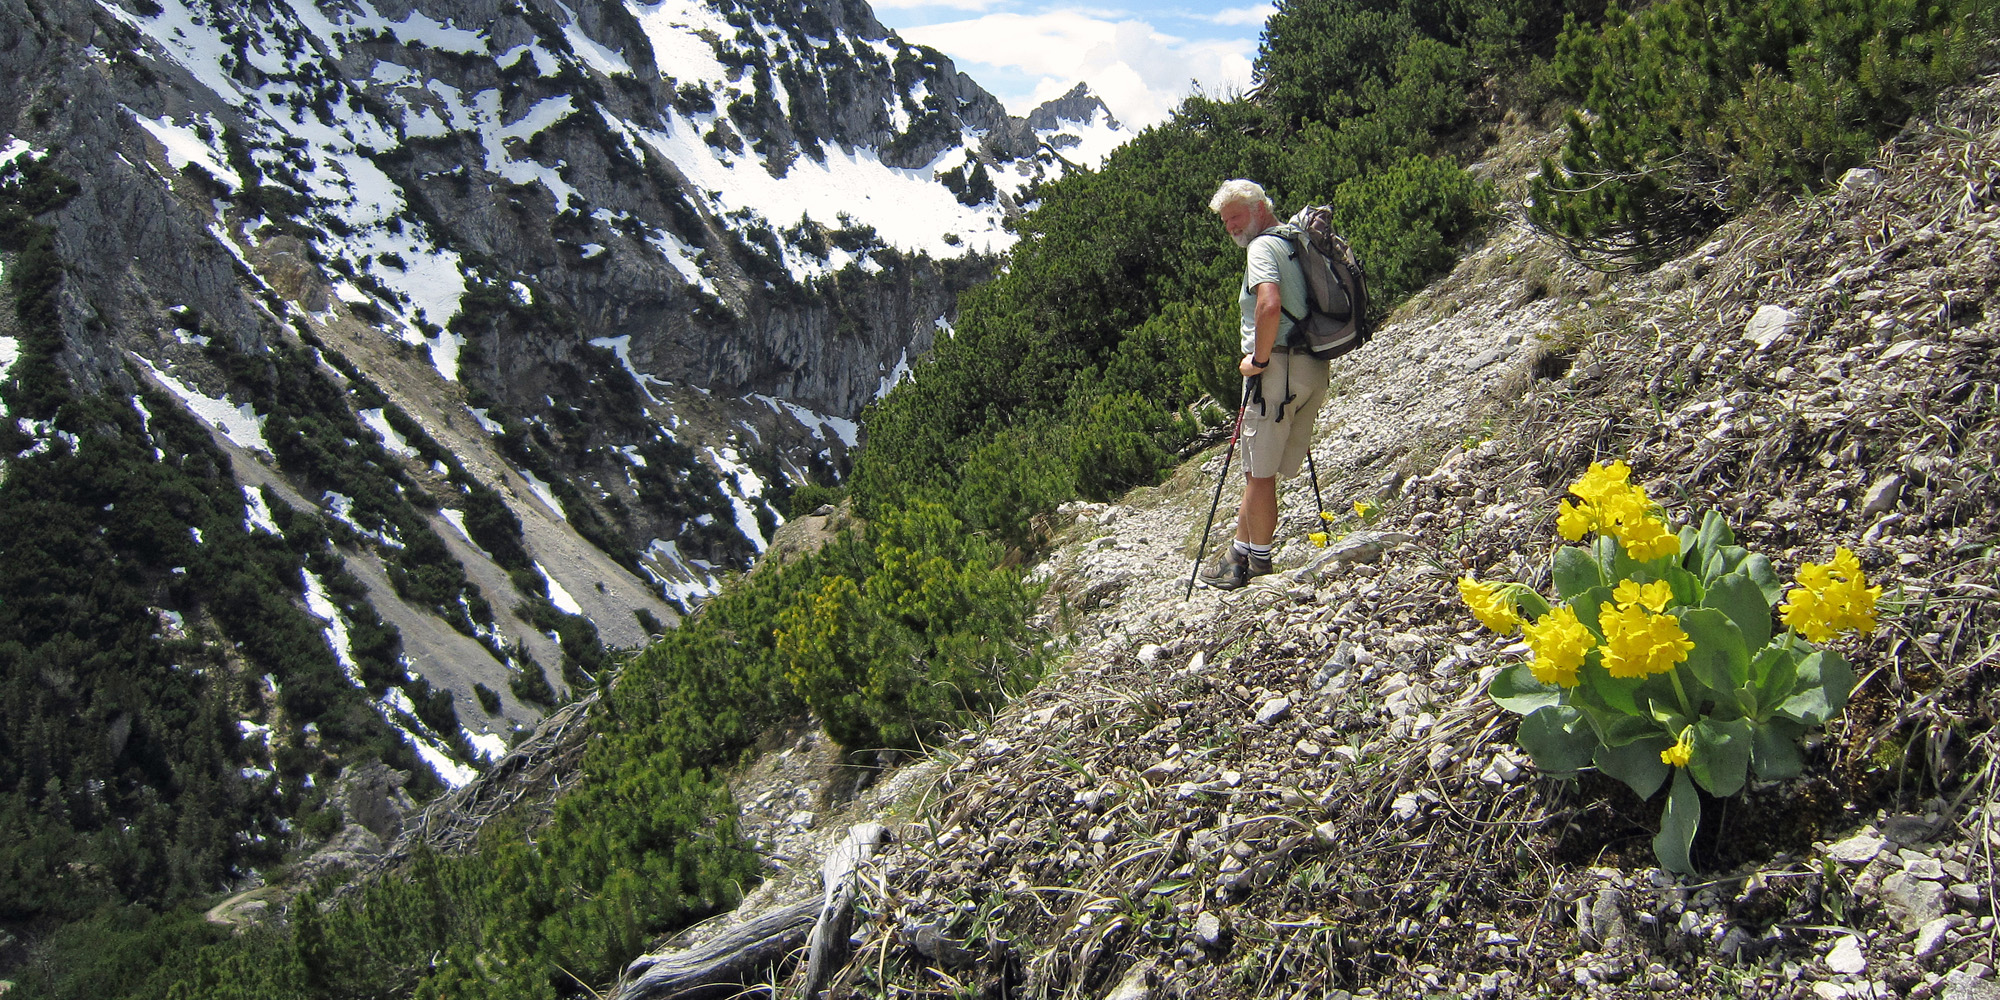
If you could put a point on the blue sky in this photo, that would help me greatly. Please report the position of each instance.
(1140, 58)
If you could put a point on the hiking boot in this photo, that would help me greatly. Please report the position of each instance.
(1230, 572)
(1257, 565)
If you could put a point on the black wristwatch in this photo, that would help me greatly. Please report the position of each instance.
(1254, 363)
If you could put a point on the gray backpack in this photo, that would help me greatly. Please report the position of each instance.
(1336, 319)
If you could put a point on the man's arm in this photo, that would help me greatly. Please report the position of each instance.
(1270, 311)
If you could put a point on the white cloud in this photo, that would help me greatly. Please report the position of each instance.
(1140, 72)
(1244, 17)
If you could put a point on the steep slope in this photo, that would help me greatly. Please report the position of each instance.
(1301, 789)
(375, 370)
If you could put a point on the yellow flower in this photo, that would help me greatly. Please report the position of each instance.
(1318, 538)
(1325, 516)
(1681, 752)
(1365, 511)
(1611, 504)
(1559, 642)
(1831, 598)
(1600, 481)
(1652, 596)
(1492, 605)
(1637, 644)
(1647, 539)
(1575, 522)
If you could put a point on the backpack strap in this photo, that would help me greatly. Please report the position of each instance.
(1292, 254)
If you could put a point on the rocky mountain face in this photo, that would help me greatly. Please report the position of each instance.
(1303, 789)
(505, 329)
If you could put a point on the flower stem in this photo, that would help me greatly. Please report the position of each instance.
(1675, 675)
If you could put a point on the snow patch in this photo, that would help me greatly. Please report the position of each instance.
(377, 420)
(256, 514)
(557, 595)
(491, 746)
(846, 430)
(895, 375)
(542, 491)
(240, 424)
(594, 54)
(686, 581)
(488, 424)
(622, 347)
(740, 484)
(183, 146)
(10, 352)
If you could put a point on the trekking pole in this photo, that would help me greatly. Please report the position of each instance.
(1313, 467)
(1223, 477)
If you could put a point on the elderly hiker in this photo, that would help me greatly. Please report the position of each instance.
(1284, 387)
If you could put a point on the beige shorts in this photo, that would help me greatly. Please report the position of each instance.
(1274, 446)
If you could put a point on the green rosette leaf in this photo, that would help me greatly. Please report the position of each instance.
(1637, 763)
(1626, 729)
(1775, 672)
(1739, 597)
(1516, 690)
(1823, 684)
(1611, 558)
(1677, 826)
(1586, 605)
(1715, 533)
(1765, 576)
(1774, 750)
(1720, 658)
(1692, 554)
(1575, 572)
(1723, 561)
(1558, 738)
(1614, 694)
(1721, 755)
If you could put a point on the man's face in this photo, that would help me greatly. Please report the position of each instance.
(1241, 220)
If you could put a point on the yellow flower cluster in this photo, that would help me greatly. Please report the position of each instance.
(1611, 504)
(1366, 511)
(1830, 599)
(1492, 605)
(1559, 642)
(1638, 640)
(1681, 752)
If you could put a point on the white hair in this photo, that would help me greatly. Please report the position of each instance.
(1238, 191)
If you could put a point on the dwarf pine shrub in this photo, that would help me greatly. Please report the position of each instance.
(1692, 109)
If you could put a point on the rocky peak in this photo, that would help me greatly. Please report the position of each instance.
(1079, 106)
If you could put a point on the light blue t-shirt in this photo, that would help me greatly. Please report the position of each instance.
(1269, 259)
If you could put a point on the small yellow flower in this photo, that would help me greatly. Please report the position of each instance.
(1611, 504)
(1831, 598)
(1365, 511)
(1648, 538)
(1653, 596)
(1493, 606)
(1559, 642)
(1681, 752)
(1575, 522)
(1601, 481)
(1637, 644)
(1318, 538)
(1325, 516)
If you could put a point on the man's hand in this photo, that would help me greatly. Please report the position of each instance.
(1249, 366)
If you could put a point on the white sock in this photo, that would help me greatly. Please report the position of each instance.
(1249, 549)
